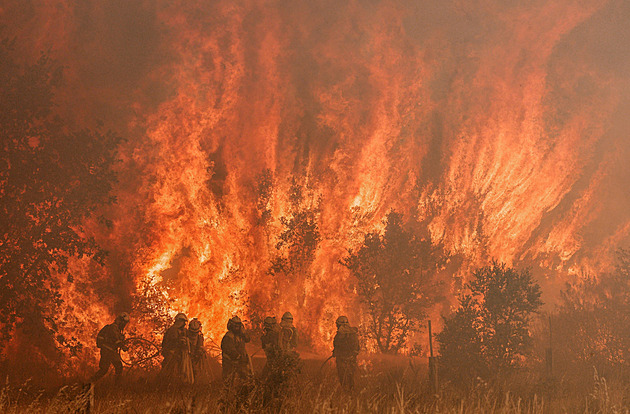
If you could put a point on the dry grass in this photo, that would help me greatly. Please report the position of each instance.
(379, 390)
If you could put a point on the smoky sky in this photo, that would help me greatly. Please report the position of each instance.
(125, 61)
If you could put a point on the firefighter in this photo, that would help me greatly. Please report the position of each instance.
(176, 366)
(288, 333)
(346, 349)
(281, 371)
(235, 359)
(201, 368)
(270, 342)
(111, 340)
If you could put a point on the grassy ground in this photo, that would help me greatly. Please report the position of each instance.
(382, 387)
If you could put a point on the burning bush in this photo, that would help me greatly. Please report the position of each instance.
(51, 178)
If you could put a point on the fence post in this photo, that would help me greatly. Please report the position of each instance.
(433, 365)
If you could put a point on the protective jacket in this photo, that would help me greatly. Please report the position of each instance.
(346, 349)
(200, 365)
(270, 342)
(110, 338)
(174, 339)
(346, 343)
(177, 364)
(288, 336)
(195, 339)
(234, 355)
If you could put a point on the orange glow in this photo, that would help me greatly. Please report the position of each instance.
(460, 117)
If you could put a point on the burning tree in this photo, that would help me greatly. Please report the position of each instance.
(51, 178)
(489, 331)
(395, 272)
(298, 241)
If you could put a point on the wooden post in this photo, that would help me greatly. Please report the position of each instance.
(433, 366)
(430, 341)
(549, 353)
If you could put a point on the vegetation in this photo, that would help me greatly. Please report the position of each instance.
(389, 389)
(489, 331)
(51, 178)
(299, 238)
(297, 243)
(592, 325)
(395, 272)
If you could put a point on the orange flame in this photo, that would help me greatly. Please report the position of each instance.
(484, 120)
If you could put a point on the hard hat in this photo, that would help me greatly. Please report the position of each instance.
(123, 317)
(194, 325)
(270, 321)
(234, 322)
(342, 320)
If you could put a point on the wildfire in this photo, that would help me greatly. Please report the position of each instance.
(244, 118)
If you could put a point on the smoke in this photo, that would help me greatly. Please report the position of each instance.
(501, 124)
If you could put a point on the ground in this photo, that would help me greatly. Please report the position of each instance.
(384, 385)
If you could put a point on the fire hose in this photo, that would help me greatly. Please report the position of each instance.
(324, 364)
(146, 344)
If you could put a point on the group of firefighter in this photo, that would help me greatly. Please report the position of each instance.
(186, 362)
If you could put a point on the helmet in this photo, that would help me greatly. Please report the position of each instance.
(270, 321)
(194, 325)
(342, 320)
(123, 318)
(234, 322)
(287, 316)
(181, 317)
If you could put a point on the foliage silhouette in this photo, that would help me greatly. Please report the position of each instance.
(592, 326)
(489, 331)
(51, 178)
(395, 272)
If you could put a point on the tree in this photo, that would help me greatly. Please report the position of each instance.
(395, 272)
(298, 242)
(489, 331)
(264, 191)
(592, 326)
(299, 238)
(51, 178)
